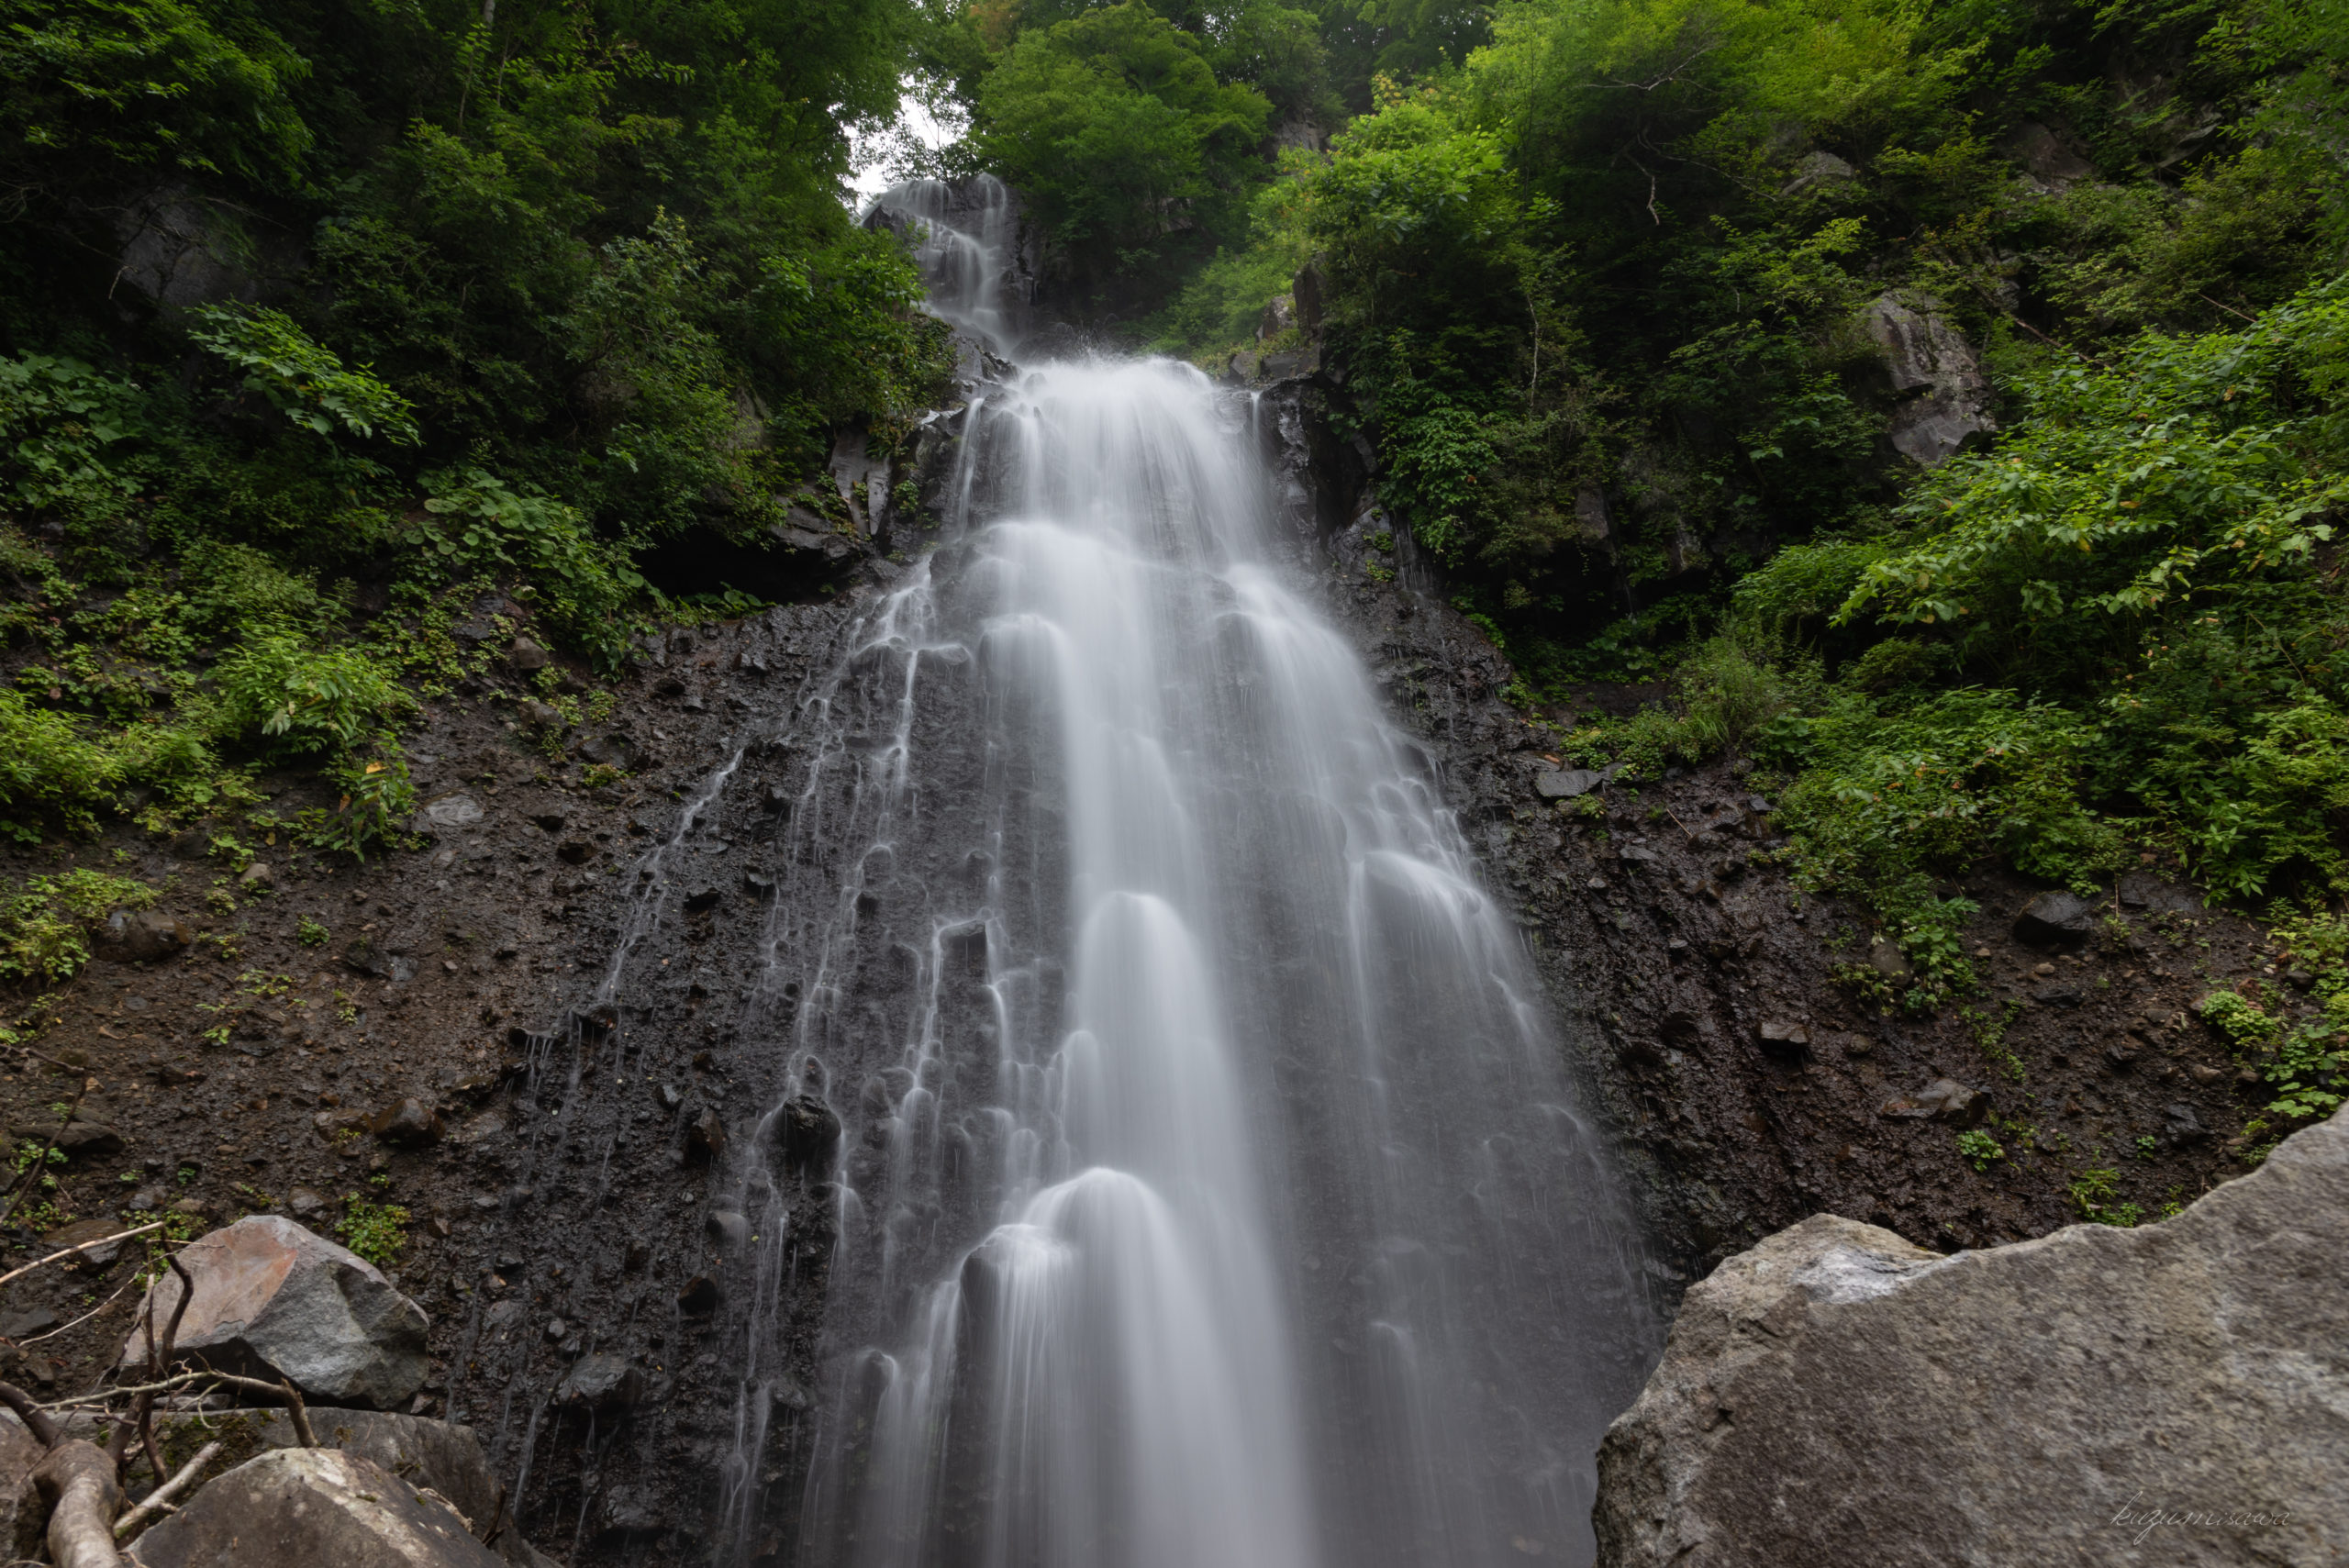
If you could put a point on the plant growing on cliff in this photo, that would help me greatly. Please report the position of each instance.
(375, 1231)
(1979, 1149)
(44, 925)
(2094, 1192)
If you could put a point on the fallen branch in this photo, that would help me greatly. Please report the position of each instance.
(161, 1497)
(75, 1251)
(300, 1413)
(44, 1430)
(77, 1483)
(170, 1385)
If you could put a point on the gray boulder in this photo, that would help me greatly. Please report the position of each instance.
(304, 1508)
(1945, 397)
(2174, 1394)
(275, 1300)
(435, 1455)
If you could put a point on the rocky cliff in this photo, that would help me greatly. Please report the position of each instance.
(446, 1032)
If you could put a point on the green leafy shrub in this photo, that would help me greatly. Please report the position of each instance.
(1979, 1149)
(476, 522)
(300, 700)
(61, 426)
(307, 384)
(44, 925)
(376, 1231)
(2095, 1193)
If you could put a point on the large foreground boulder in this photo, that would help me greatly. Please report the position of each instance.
(275, 1300)
(2176, 1394)
(446, 1458)
(308, 1508)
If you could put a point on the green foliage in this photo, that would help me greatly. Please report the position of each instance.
(307, 701)
(2095, 1193)
(44, 925)
(376, 1231)
(1979, 1149)
(62, 424)
(301, 380)
(2303, 1063)
(1889, 792)
(474, 522)
(1113, 124)
(310, 933)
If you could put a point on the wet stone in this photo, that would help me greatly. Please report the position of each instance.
(602, 1382)
(406, 1120)
(2055, 919)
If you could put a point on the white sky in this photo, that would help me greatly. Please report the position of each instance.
(874, 156)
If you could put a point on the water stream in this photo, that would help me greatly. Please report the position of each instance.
(1207, 1191)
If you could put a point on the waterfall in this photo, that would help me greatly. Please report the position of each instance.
(1208, 1192)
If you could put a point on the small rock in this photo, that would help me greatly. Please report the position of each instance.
(481, 1129)
(1566, 784)
(1638, 855)
(574, 851)
(449, 811)
(1857, 1045)
(731, 1230)
(704, 1135)
(758, 885)
(2144, 890)
(2181, 1126)
(704, 898)
(83, 1231)
(257, 875)
(808, 1131)
(2055, 919)
(1942, 1100)
(699, 1297)
(2298, 978)
(2058, 996)
(543, 715)
(142, 938)
(2202, 1073)
(2121, 1055)
(549, 821)
(406, 1120)
(26, 1323)
(601, 1382)
(556, 1329)
(304, 1202)
(528, 655)
(1783, 1037)
(88, 1139)
(1887, 959)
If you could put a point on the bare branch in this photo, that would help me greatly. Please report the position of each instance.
(161, 1497)
(43, 1429)
(300, 1413)
(77, 1251)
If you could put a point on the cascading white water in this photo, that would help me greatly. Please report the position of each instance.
(1212, 1194)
